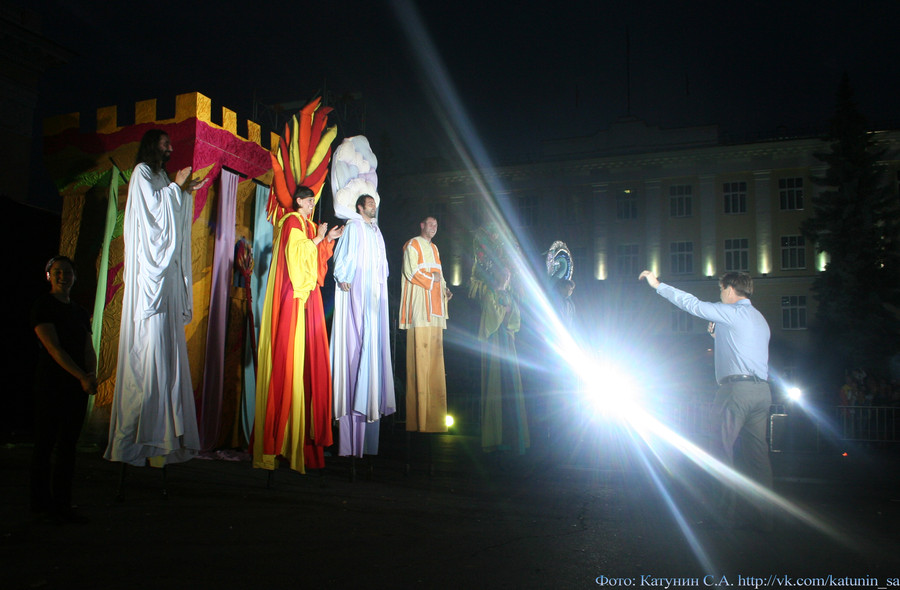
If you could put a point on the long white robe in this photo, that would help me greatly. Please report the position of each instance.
(153, 412)
(360, 340)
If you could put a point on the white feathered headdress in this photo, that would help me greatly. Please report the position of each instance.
(352, 175)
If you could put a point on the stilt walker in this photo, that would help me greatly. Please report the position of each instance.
(293, 379)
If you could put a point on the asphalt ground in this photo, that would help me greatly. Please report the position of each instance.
(569, 514)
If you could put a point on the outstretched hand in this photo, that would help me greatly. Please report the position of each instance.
(334, 233)
(324, 233)
(650, 278)
(188, 184)
(194, 184)
(182, 175)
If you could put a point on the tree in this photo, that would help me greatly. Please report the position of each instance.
(856, 222)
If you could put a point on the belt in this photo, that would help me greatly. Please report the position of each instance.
(736, 378)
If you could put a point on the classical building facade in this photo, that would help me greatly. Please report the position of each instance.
(679, 202)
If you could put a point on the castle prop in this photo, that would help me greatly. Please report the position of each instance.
(91, 169)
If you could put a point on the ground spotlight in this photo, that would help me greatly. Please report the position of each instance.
(449, 420)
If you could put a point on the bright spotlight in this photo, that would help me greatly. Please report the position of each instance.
(794, 393)
(608, 388)
(448, 420)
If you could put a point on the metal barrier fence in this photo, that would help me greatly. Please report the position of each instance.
(866, 423)
(877, 424)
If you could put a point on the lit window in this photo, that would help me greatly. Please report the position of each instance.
(626, 205)
(681, 257)
(793, 252)
(737, 255)
(680, 200)
(790, 193)
(735, 195)
(793, 312)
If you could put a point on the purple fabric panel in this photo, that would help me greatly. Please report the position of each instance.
(210, 419)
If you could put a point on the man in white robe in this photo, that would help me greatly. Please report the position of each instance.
(360, 340)
(153, 415)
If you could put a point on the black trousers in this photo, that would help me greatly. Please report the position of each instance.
(59, 416)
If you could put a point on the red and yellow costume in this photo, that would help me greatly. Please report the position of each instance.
(293, 379)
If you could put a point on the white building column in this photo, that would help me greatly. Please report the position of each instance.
(600, 193)
(766, 249)
(653, 229)
(708, 204)
(821, 258)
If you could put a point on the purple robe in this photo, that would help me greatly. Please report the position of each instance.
(360, 342)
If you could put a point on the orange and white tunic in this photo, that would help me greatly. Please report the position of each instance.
(422, 301)
(423, 314)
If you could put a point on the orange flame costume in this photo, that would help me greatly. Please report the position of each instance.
(293, 379)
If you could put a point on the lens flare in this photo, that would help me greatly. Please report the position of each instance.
(611, 384)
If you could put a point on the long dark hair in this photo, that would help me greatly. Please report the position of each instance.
(148, 152)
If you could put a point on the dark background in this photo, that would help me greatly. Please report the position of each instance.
(523, 73)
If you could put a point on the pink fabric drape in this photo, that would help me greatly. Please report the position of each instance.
(210, 419)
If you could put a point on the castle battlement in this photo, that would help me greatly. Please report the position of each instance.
(189, 105)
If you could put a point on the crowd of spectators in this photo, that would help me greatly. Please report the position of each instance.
(861, 389)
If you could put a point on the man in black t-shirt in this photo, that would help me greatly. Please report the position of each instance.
(63, 380)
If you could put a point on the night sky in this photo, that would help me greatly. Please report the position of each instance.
(522, 71)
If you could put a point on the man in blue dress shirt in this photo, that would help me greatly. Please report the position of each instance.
(742, 402)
